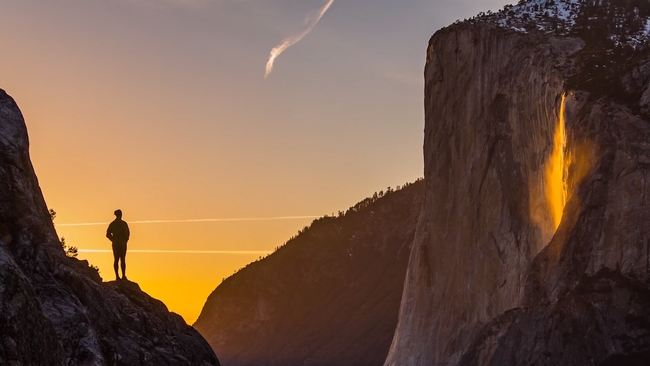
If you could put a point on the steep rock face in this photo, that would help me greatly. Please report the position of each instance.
(589, 286)
(330, 296)
(490, 280)
(55, 310)
(486, 139)
(27, 336)
(603, 320)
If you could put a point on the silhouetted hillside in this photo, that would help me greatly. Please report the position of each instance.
(330, 296)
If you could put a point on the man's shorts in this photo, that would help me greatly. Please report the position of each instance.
(119, 249)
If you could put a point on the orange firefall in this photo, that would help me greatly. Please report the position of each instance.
(554, 176)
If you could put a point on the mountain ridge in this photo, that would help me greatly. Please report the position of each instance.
(619, 23)
(330, 295)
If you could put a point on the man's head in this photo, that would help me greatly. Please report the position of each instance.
(118, 213)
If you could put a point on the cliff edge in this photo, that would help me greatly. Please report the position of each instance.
(56, 310)
(533, 244)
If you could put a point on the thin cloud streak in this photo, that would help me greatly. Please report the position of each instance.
(311, 22)
(193, 220)
(251, 252)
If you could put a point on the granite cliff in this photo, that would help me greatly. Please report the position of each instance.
(55, 310)
(330, 296)
(533, 244)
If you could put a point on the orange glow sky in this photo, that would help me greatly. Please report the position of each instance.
(160, 108)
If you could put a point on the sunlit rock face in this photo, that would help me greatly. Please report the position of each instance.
(494, 277)
(330, 296)
(55, 310)
(487, 138)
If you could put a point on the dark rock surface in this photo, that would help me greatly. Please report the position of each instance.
(56, 310)
(330, 296)
(490, 280)
(604, 319)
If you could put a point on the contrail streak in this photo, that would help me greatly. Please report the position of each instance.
(251, 252)
(194, 220)
(311, 22)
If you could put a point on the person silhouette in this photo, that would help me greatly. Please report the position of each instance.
(118, 233)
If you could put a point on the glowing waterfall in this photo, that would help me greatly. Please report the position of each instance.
(554, 177)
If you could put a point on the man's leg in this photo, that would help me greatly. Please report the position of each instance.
(123, 266)
(116, 258)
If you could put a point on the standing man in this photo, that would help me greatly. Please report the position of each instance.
(118, 233)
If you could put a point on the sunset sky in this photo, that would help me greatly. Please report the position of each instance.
(161, 108)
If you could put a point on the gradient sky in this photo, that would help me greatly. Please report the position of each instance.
(161, 108)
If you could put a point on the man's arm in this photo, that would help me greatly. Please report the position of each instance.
(109, 232)
(128, 232)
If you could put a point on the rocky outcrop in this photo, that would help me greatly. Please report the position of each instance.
(56, 310)
(603, 320)
(491, 280)
(330, 296)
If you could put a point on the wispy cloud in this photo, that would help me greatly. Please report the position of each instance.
(246, 252)
(193, 220)
(311, 21)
